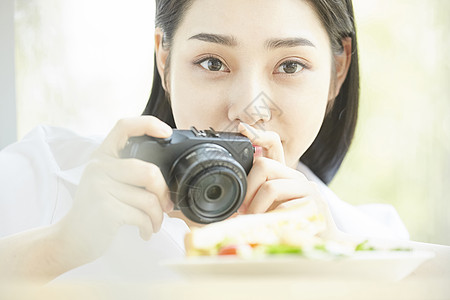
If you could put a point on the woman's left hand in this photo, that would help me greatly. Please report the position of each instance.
(271, 184)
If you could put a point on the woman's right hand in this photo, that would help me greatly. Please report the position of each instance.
(114, 192)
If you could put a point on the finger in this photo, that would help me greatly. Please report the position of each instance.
(126, 128)
(140, 174)
(295, 203)
(114, 203)
(265, 169)
(270, 141)
(275, 192)
(132, 216)
(140, 199)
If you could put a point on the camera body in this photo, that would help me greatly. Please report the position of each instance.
(206, 171)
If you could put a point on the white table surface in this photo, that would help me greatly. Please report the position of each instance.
(429, 281)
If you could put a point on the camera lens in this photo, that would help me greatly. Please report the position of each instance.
(213, 192)
(210, 184)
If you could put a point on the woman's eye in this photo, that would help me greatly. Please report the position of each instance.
(213, 64)
(290, 67)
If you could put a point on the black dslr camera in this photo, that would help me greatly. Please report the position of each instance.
(206, 171)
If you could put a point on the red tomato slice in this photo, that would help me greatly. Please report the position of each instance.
(228, 250)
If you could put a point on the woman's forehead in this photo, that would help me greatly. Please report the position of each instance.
(255, 21)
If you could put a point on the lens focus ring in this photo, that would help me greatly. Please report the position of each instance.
(209, 184)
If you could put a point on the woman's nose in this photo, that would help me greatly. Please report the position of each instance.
(250, 102)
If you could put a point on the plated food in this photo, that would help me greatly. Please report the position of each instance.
(290, 242)
(299, 230)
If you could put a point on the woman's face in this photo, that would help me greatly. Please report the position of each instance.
(263, 62)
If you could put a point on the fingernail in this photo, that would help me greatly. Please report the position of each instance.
(242, 126)
(169, 206)
(258, 151)
(166, 129)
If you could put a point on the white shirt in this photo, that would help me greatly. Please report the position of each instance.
(40, 174)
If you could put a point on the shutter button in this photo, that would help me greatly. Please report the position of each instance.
(163, 141)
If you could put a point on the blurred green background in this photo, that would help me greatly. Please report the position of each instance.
(401, 151)
(84, 64)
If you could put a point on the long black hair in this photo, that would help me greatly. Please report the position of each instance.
(325, 155)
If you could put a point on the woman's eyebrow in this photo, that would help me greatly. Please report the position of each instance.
(270, 44)
(215, 38)
(288, 43)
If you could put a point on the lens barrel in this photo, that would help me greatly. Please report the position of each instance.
(207, 183)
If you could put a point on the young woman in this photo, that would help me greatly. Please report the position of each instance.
(283, 73)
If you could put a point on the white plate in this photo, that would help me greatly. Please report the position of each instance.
(372, 265)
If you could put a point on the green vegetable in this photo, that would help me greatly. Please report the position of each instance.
(364, 247)
(321, 247)
(283, 249)
(401, 249)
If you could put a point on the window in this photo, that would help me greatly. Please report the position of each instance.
(82, 64)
